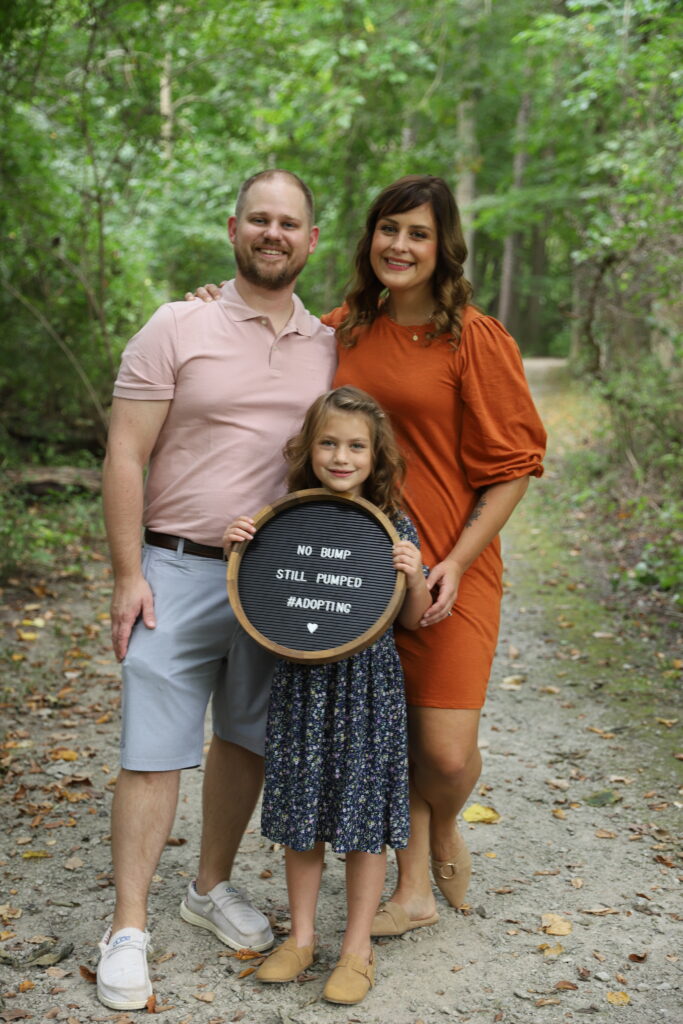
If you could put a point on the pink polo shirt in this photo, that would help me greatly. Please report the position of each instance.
(238, 392)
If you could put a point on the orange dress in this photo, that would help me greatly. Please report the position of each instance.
(464, 420)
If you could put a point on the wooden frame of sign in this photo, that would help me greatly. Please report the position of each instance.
(319, 569)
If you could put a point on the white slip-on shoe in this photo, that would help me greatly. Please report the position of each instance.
(122, 973)
(229, 915)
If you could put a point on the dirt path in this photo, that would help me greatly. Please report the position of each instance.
(585, 785)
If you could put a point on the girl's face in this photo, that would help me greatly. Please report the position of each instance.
(341, 456)
(403, 251)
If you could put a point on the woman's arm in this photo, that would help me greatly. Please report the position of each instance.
(488, 517)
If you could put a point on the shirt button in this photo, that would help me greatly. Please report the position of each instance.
(264, 322)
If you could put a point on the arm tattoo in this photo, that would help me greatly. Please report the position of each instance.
(477, 510)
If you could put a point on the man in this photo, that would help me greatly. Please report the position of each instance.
(205, 398)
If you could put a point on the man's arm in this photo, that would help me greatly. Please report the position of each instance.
(133, 432)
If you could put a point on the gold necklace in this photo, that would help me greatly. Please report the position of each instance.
(416, 337)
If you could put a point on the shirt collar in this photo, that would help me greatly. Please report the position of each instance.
(301, 321)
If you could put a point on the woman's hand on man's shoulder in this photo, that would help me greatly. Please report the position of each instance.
(205, 292)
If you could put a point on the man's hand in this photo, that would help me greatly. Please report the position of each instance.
(131, 600)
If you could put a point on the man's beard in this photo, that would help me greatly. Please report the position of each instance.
(273, 281)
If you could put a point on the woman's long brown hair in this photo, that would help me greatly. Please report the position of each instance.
(451, 289)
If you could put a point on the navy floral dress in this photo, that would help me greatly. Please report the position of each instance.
(337, 750)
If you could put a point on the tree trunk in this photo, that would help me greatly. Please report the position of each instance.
(166, 108)
(507, 299)
(530, 329)
(465, 167)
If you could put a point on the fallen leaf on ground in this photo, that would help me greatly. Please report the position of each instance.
(512, 682)
(618, 998)
(600, 911)
(547, 1002)
(9, 913)
(604, 833)
(73, 863)
(49, 953)
(638, 958)
(565, 985)
(63, 754)
(480, 813)
(86, 973)
(548, 950)
(246, 972)
(163, 957)
(603, 798)
(553, 924)
(208, 997)
(151, 1004)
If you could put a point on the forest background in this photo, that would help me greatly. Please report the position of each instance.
(128, 127)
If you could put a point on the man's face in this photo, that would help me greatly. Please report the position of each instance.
(273, 237)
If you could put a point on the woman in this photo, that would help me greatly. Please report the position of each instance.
(453, 384)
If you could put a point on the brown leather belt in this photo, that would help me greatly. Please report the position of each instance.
(171, 542)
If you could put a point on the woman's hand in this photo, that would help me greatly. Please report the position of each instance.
(443, 582)
(207, 293)
(407, 559)
(241, 529)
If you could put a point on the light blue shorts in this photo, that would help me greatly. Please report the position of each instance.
(198, 652)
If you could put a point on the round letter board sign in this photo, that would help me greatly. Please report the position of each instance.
(317, 582)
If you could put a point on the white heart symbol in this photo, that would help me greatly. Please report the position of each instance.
(312, 626)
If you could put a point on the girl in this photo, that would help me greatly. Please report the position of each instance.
(336, 747)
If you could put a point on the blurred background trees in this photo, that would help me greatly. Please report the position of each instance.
(129, 124)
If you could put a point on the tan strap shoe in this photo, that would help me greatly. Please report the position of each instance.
(287, 962)
(351, 980)
(392, 919)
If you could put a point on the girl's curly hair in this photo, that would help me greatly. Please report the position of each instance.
(451, 290)
(384, 485)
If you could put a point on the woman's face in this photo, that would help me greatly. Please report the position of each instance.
(403, 251)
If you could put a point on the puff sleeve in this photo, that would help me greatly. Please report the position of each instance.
(502, 436)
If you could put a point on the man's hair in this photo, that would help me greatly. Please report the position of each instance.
(268, 176)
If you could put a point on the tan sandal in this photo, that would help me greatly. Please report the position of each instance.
(286, 962)
(393, 919)
(453, 876)
(351, 980)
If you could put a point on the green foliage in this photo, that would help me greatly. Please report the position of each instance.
(53, 534)
(128, 128)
